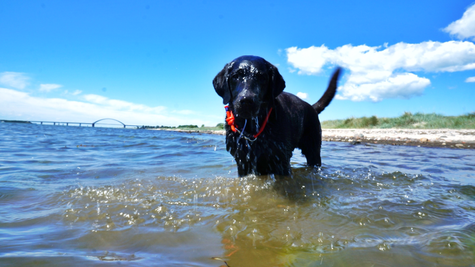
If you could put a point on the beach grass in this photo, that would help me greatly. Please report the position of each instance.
(405, 121)
(199, 129)
(190, 127)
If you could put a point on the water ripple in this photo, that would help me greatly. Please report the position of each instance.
(83, 196)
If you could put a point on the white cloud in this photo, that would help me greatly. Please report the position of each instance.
(77, 92)
(49, 87)
(465, 27)
(403, 86)
(20, 105)
(96, 99)
(15, 80)
(470, 80)
(121, 105)
(378, 73)
(302, 95)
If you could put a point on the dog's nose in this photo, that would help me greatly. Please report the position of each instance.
(247, 101)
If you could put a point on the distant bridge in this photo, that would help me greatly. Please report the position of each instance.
(94, 123)
(88, 124)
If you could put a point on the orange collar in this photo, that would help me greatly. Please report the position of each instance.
(234, 128)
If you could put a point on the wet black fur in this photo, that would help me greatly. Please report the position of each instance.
(251, 86)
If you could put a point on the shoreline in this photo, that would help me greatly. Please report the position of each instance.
(448, 138)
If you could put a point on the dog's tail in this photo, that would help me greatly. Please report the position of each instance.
(329, 93)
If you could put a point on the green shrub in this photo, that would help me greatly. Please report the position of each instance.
(408, 121)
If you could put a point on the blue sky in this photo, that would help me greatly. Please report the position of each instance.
(152, 62)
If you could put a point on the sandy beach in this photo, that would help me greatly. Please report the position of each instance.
(413, 137)
(451, 138)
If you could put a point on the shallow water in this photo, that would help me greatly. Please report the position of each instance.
(74, 196)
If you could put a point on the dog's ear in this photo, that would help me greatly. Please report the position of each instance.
(221, 84)
(276, 83)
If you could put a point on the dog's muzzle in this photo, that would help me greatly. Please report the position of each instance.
(246, 106)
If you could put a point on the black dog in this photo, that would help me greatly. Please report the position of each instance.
(265, 124)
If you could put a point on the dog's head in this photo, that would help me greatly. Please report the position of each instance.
(248, 83)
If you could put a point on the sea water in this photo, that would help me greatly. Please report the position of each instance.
(77, 196)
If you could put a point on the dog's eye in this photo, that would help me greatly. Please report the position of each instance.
(236, 77)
